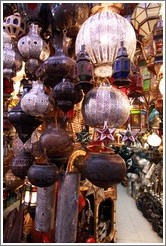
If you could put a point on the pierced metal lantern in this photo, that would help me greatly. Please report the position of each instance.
(32, 45)
(57, 144)
(14, 25)
(21, 163)
(121, 68)
(105, 103)
(36, 102)
(12, 60)
(84, 71)
(57, 66)
(66, 95)
(101, 34)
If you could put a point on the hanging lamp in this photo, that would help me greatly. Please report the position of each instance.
(102, 34)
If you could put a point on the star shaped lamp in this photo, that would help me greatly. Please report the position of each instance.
(128, 136)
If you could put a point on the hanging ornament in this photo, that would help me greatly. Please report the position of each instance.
(121, 68)
(33, 48)
(129, 136)
(21, 163)
(66, 95)
(84, 71)
(36, 102)
(12, 60)
(101, 34)
(105, 103)
(105, 134)
(32, 45)
(57, 66)
(57, 144)
(14, 25)
(23, 123)
(138, 113)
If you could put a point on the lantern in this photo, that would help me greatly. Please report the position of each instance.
(33, 48)
(30, 196)
(23, 123)
(57, 66)
(14, 25)
(103, 169)
(57, 143)
(144, 17)
(21, 163)
(121, 68)
(84, 70)
(36, 102)
(66, 95)
(105, 103)
(154, 140)
(102, 34)
(43, 174)
(137, 113)
(12, 60)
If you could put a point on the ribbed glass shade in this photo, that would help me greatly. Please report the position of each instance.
(102, 34)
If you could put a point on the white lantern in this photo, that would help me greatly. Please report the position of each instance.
(36, 102)
(154, 140)
(102, 34)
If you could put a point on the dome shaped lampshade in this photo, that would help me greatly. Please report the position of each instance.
(154, 140)
(105, 103)
(102, 34)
